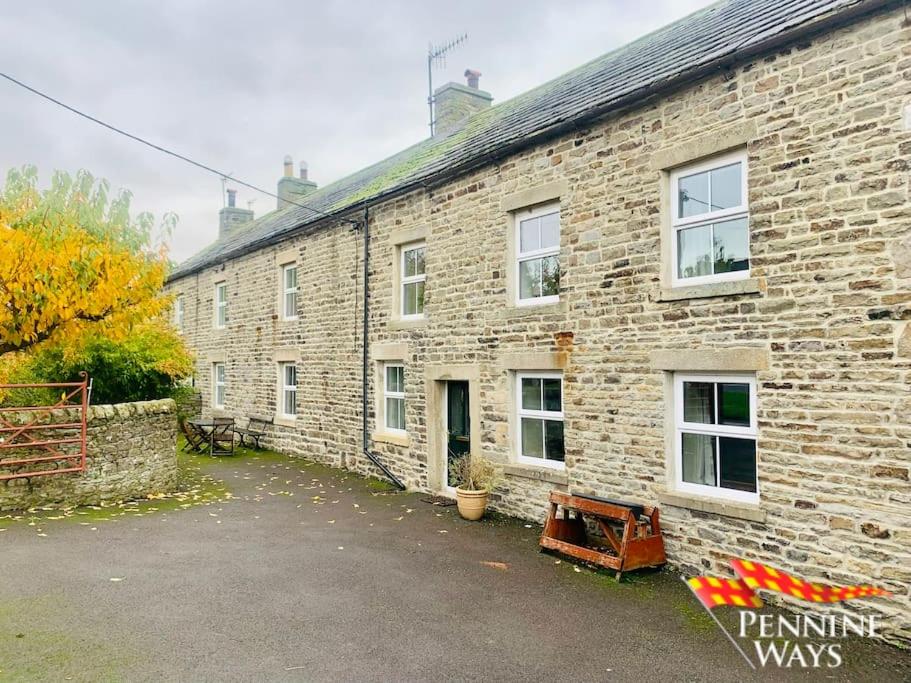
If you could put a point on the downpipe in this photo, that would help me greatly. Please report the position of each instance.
(365, 360)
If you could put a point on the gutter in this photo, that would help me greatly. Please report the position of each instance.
(365, 360)
(630, 100)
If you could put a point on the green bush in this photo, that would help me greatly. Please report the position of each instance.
(149, 363)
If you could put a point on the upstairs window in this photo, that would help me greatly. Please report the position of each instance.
(394, 397)
(221, 305)
(540, 418)
(289, 292)
(178, 312)
(218, 385)
(710, 220)
(288, 380)
(538, 255)
(716, 435)
(414, 277)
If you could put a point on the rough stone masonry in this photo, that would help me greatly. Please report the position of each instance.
(823, 320)
(131, 452)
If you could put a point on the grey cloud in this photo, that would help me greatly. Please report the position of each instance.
(239, 84)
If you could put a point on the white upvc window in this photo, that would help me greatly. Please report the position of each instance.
(414, 280)
(539, 399)
(221, 305)
(537, 247)
(287, 373)
(218, 385)
(715, 436)
(289, 292)
(178, 312)
(710, 220)
(394, 397)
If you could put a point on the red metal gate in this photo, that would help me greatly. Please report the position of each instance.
(29, 431)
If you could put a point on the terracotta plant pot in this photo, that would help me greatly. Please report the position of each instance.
(471, 503)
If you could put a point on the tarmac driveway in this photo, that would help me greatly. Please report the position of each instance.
(307, 573)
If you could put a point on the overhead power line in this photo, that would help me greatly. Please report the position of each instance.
(159, 148)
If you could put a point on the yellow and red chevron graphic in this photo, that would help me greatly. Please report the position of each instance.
(715, 592)
(758, 576)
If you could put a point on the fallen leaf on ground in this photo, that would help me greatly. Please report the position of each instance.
(116, 578)
(495, 565)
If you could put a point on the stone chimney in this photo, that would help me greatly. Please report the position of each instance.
(231, 218)
(290, 188)
(454, 103)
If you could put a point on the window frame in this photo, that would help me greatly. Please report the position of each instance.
(284, 388)
(286, 291)
(178, 312)
(677, 224)
(398, 395)
(518, 218)
(411, 279)
(220, 320)
(680, 426)
(216, 384)
(541, 415)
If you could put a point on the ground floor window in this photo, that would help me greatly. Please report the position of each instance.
(288, 389)
(540, 418)
(218, 385)
(715, 435)
(394, 396)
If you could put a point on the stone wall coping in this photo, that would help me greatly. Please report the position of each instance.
(752, 513)
(537, 473)
(106, 411)
(748, 359)
(753, 285)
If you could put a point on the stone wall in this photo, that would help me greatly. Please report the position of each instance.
(131, 451)
(820, 321)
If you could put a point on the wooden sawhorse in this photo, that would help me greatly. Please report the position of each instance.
(641, 543)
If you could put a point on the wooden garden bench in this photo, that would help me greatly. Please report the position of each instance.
(255, 429)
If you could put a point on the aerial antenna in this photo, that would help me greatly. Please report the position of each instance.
(436, 55)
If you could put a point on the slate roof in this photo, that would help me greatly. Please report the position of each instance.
(718, 34)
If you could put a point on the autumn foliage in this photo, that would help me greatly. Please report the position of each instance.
(73, 261)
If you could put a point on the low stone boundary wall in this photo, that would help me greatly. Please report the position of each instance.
(131, 452)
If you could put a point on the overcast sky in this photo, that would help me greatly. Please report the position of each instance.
(237, 84)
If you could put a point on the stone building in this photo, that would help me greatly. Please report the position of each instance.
(680, 274)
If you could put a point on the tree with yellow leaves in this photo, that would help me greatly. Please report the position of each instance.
(73, 261)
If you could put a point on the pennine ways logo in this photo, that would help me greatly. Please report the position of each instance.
(778, 642)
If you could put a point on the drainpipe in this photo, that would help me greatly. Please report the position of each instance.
(365, 368)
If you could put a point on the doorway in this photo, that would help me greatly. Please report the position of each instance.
(457, 428)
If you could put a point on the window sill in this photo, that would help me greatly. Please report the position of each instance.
(548, 474)
(395, 439)
(753, 285)
(529, 311)
(752, 513)
(406, 323)
(285, 421)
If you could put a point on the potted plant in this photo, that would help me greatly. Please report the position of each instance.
(475, 477)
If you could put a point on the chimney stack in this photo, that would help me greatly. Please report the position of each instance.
(231, 218)
(291, 189)
(454, 103)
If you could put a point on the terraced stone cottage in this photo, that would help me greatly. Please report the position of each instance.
(678, 274)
